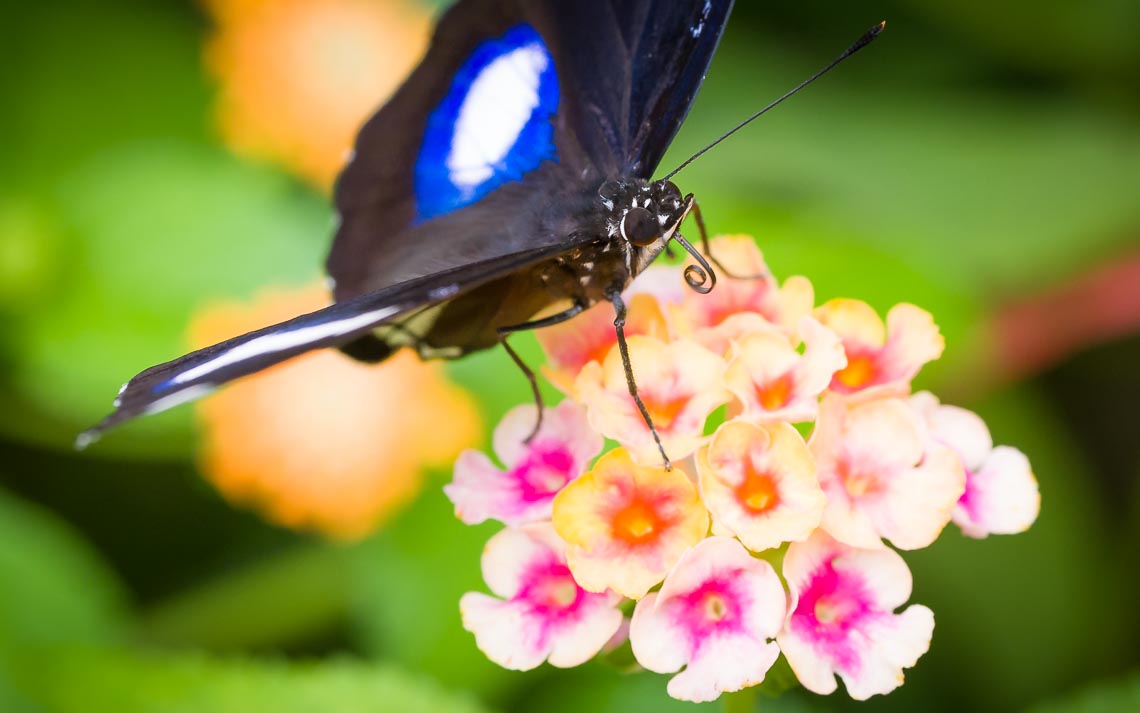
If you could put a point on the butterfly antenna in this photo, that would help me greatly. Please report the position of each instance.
(858, 45)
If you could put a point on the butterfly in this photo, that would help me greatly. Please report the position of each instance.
(510, 176)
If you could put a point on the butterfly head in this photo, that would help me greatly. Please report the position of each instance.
(645, 215)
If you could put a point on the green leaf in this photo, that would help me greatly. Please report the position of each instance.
(97, 680)
(53, 587)
(292, 597)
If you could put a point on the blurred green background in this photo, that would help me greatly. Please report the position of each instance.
(981, 160)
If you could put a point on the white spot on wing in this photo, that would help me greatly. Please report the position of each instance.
(283, 341)
(498, 105)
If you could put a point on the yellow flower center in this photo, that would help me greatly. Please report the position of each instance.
(561, 592)
(714, 607)
(827, 611)
(857, 483)
(858, 372)
(636, 523)
(776, 394)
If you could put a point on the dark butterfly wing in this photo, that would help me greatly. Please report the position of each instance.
(582, 90)
(633, 68)
(196, 374)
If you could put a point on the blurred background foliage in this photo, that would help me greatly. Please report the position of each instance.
(981, 160)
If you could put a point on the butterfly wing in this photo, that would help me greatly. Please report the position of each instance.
(515, 96)
(196, 374)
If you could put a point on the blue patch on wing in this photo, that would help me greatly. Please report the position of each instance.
(495, 124)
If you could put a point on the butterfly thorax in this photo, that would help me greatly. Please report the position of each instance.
(632, 220)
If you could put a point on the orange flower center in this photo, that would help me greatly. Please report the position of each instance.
(598, 352)
(775, 394)
(757, 491)
(859, 371)
(664, 412)
(637, 523)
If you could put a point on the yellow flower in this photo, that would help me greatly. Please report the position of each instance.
(759, 483)
(299, 77)
(679, 382)
(881, 358)
(322, 442)
(626, 525)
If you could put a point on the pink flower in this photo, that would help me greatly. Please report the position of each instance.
(543, 615)
(1001, 495)
(774, 381)
(779, 306)
(680, 384)
(560, 451)
(715, 614)
(842, 620)
(626, 525)
(880, 359)
(882, 476)
(759, 484)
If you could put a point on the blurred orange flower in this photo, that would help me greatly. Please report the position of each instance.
(299, 77)
(322, 442)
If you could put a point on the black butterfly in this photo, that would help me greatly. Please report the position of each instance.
(509, 175)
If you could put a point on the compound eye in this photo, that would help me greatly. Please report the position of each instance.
(640, 227)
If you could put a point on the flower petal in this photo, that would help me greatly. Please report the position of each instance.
(759, 484)
(841, 617)
(590, 336)
(881, 475)
(503, 632)
(1001, 496)
(626, 525)
(546, 615)
(955, 427)
(716, 612)
(680, 384)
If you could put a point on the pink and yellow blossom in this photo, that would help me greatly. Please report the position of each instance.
(1001, 492)
(882, 476)
(881, 359)
(773, 381)
(626, 524)
(780, 305)
(535, 471)
(590, 336)
(540, 613)
(841, 618)
(679, 382)
(716, 615)
(759, 484)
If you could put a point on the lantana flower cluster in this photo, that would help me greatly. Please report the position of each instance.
(801, 463)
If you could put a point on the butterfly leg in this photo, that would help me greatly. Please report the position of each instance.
(504, 332)
(623, 348)
(696, 212)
